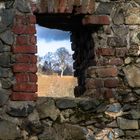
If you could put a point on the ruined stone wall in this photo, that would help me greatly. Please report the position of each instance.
(107, 65)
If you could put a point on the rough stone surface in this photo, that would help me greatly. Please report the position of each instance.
(7, 37)
(5, 59)
(48, 109)
(127, 124)
(63, 131)
(65, 103)
(132, 74)
(22, 6)
(118, 133)
(135, 114)
(4, 96)
(120, 30)
(20, 109)
(8, 130)
(88, 105)
(133, 16)
(118, 18)
(104, 8)
(116, 107)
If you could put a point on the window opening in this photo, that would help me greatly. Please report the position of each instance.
(55, 63)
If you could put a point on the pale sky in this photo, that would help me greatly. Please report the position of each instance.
(49, 40)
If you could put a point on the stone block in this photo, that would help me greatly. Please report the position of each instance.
(23, 6)
(133, 17)
(20, 109)
(7, 37)
(48, 109)
(104, 8)
(127, 124)
(9, 130)
(132, 74)
(66, 103)
(117, 42)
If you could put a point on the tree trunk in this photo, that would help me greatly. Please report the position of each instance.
(62, 71)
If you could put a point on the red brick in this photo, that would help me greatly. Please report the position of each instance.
(21, 40)
(21, 20)
(94, 83)
(22, 77)
(21, 96)
(116, 61)
(107, 72)
(25, 77)
(25, 49)
(32, 40)
(24, 29)
(105, 51)
(31, 29)
(26, 87)
(32, 19)
(121, 52)
(109, 93)
(33, 77)
(26, 58)
(25, 68)
(111, 83)
(92, 19)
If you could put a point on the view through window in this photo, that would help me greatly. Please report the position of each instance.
(55, 63)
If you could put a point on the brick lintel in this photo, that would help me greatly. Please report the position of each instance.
(94, 20)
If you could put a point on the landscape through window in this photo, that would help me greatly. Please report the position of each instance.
(55, 63)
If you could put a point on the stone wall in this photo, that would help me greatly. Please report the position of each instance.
(107, 66)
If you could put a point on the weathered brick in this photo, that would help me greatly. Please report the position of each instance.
(109, 93)
(25, 77)
(107, 72)
(25, 49)
(116, 61)
(95, 93)
(89, 20)
(24, 29)
(32, 40)
(33, 77)
(23, 96)
(22, 40)
(24, 68)
(94, 83)
(22, 77)
(25, 87)
(32, 19)
(111, 83)
(105, 51)
(26, 58)
(21, 20)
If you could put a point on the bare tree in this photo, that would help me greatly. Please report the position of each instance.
(64, 59)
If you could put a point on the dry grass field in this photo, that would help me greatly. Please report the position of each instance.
(56, 86)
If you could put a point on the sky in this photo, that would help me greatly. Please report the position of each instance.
(49, 40)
